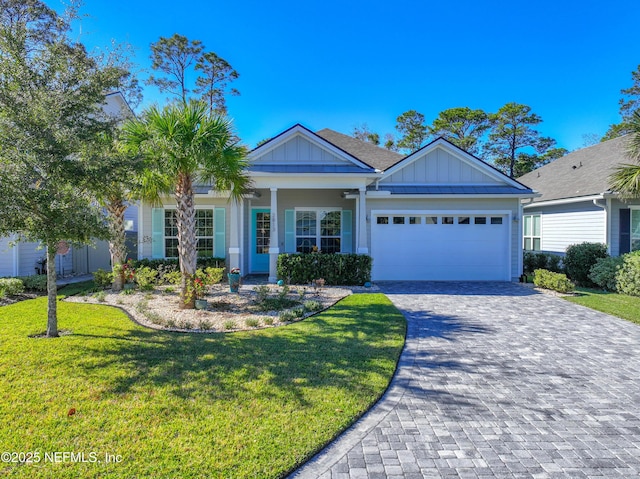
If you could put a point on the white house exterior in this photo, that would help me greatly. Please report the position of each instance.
(576, 204)
(21, 258)
(437, 214)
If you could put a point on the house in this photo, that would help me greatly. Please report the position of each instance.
(21, 258)
(576, 204)
(437, 214)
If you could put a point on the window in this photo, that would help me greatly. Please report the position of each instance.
(204, 233)
(431, 220)
(382, 220)
(635, 230)
(414, 220)
(480, 220)
(447, 220)
(326, 237)
(463, 220)
(263, 232)
(496, 220)
(532, 237)
(398, 220)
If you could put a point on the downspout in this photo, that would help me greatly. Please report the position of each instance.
(605, 208)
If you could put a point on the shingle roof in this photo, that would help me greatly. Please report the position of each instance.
(379, 158)
(583, 172)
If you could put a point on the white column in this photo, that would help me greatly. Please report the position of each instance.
(363, 248)
(274, 242)
(234, 236)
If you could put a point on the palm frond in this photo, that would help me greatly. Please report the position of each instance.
(625, 180)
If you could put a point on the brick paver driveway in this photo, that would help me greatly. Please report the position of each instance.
(499, 381)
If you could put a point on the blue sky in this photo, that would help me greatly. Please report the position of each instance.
(338, 64)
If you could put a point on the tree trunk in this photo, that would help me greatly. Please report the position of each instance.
(52, 292)
(117, 239)
(187, 252)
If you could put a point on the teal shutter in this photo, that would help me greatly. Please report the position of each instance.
(289, 231)
(157, 235)
(220, 233)
(346, 245)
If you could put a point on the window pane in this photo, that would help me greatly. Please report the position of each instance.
(398, 220)
(171, 248)
(330, 224)
(382, 220)
(305, 223)
(204, 222)
(536, 225)
(463, 220)
(305, 245)
(527, 244)
(447, 220)
(536, 244)
(414, 220)
(527, 225)
(205, 247)
(330, 245)
(431, 220)
(170, 223)
(496, 220)
(635, 230)
(263, 234)
(480, 220)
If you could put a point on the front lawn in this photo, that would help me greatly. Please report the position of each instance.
(247, 404)
(620, 305)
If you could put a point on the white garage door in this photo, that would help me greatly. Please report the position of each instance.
(440, 246)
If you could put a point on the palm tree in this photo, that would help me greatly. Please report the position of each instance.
(626, 178)
(183, 144)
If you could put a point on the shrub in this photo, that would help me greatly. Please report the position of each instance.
(268, 320)
(37, 282)
(580, 258)
(312, 306)
(336, 269)
(162, 265)
(229, 324)
(555, 281)
(252, 322)
(204, 324)
(145, 277)
(604, 272)
(102, 278)
(286, 316)
(628, 276)
(262, 292)
(172, 277)
(214, 274)
(534, 260)
(11, 286)
(100, 296)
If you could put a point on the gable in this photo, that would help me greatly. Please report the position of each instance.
(440, 166)
(300, 150)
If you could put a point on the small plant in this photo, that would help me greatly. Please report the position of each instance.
(154, 317)
(100, 296)
(145, 277)
(317, 285)
(284, 291)
(229, 324)
(554, 281)
(11, 286)
(148, 296)
(169, 290)
(301, 292)
(268, 320)
(286, 316)
(263, 292)
(252, 322)
(119, 301)
(127, 270)
(128, 291)
(186, 324)
(172, 277)
(312, 306)
(214, 275)
(170, 323)
(298, 312)
(102, 278)
(142, 306)
(204, 324)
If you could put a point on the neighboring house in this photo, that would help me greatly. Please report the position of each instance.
(577, 205)
(437, 214)
(19, 258)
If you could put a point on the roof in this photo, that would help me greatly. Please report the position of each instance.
(451, 189)
(308, 168)
(583, 172)
(379, 158)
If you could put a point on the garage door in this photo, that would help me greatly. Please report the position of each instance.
(440, 246)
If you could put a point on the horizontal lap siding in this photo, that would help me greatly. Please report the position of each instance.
(563, 228)
(6, 258)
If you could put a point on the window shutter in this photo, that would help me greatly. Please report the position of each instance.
(346, 245)
(220, 233)
(289, 231)
(624, 245)
(157, 235)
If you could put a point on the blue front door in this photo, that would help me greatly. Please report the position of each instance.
(260, 240)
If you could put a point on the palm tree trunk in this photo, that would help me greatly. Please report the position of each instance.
(187, 242)
(117, 240)
(52, 292)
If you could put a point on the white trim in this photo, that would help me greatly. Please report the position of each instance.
(564, 201)
(443, 212)
(458, 195)
(532, 236)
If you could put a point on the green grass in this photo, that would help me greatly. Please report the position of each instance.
(620, 305)
(247, 404)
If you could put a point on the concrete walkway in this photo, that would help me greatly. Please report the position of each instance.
(497, 380)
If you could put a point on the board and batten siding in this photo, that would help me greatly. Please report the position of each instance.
(440, 167)
(299, 150)
(561, 227)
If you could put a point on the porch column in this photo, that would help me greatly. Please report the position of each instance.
(274, 242)
(363, 248)
(234, 236)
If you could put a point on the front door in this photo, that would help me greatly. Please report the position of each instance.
(260, 240)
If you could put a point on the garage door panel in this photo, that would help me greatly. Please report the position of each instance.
(439, 251)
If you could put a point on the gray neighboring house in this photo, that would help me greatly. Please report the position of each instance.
(576, 204)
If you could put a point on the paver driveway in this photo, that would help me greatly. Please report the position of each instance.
(497, 380)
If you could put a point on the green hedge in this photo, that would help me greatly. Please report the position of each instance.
(554, 281)
(36, 282)
(10, 287)
(172, 264)
(534, 260)
(604, 273)
(335, 269)
(628, 276)
(580, 258)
